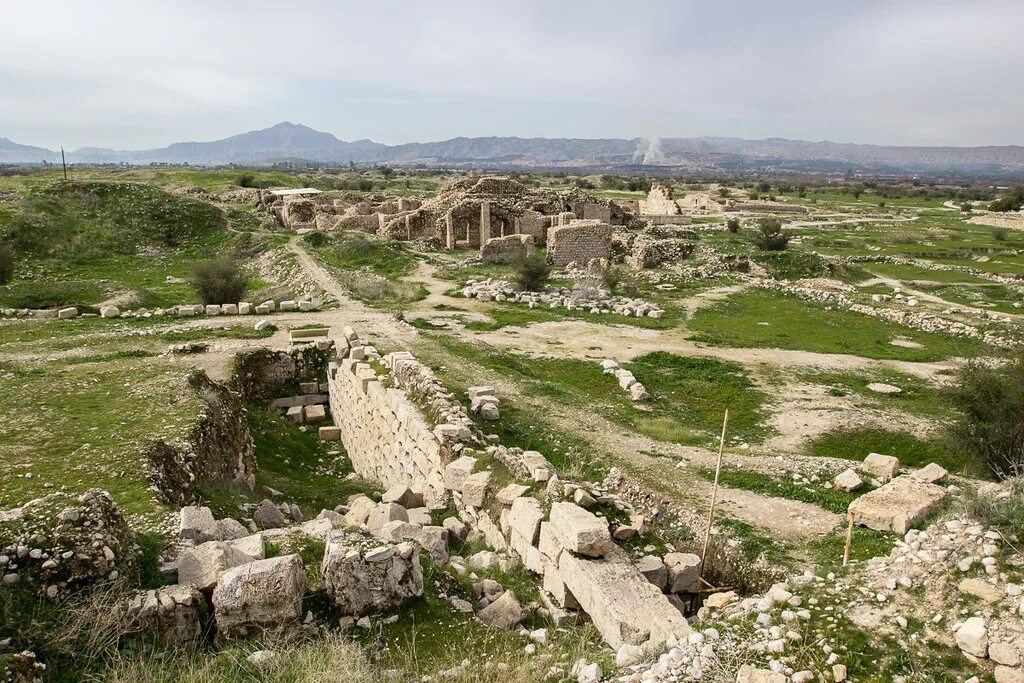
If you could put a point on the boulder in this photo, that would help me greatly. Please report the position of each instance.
(359, 510)
(197, 524)
(261, 596)
(580, 531)
(269, 515)
(719, 600)
(202, 567)
(504, 612)
(508, 494)
(110, 312)
(168, 616)
(881, 467)
(384, 513)
(933, 473)
(457, 529)
(898, 505)
(1006, 674)
(848, 480)
(972, 637)
(359, 579)
(404, 496)
(749, 674)
(524, 518)
(230, 529)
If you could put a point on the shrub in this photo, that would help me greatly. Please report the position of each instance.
(220, 281)
(733, 225)
(611, 277)
(247, 180)
(532, 272)
(316, 239)
(967, 207)
(991, 400)
(770, 236)
(1012, 201)
(6, 264)
(999, 234)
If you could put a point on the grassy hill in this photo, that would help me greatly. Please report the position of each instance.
(80, 243)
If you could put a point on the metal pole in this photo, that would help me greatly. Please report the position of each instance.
(714, 493)
(63, 162)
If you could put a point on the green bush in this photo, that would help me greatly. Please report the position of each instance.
(1012, 201)
(316, 239)
(532, 272)
(770, 236)
(247, 180)
(991, 399)
(220, 281)
(611, 277)
(733, 225)
(999, 234)
(6, 264)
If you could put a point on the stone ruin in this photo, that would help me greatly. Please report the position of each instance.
(579, 241)
(661, 208)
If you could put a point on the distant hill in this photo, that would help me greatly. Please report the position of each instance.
(12, 152)
(293, 141)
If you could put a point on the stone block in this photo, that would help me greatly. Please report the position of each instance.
(505, 612)
(110, 312)
(296, 414)
(580, 531)
(525, 517)
(624, 606)
(474, 489)
(654, 570)
(202, 566)
(229, 309)
(881, 467)
(404, 496)
(972, 637)
(197, 524)
(898, 505)
(933, 473)
(315, 413)
(212, 309)
(848, 480)
(683, 572)
(507, 495)
(261, 596)
(330, 433)
(67, 313)
(169, 616)
(457, 471)
(359, 511)
(384, 513)
(378, 580)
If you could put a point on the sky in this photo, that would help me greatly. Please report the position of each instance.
(145, 73)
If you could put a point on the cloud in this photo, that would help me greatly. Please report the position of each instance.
(131, 74)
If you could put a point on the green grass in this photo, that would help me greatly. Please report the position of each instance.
(519, 315)
(919, 397)
(244, 331)
(84, 425)
(293, 461)
(762, 319)
(914, 273)
(832, 500)
(352, 251)
(856, 444)
(689, 395)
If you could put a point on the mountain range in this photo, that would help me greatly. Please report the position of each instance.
(293, 142)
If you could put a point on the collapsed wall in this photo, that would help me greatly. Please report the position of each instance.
(384, 413)
(580, 241)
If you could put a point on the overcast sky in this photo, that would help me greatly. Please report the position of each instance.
(143, 73)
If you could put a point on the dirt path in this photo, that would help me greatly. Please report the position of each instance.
(903, 286)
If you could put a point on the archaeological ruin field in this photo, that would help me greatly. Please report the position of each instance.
(409, 425)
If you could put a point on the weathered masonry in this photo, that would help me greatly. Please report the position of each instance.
(402, 428)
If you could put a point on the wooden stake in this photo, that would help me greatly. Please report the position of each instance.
(714, 494)
(63, 163)
(849, 538)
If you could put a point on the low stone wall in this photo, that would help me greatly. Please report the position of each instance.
(507, 249)
(580, 242)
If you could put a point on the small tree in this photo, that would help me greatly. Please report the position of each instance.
(220, 280)
(967, 207)
(770, 236)
(532, 272)
(733, 225)
(6, 264)
(247, 180)
(991, 400)
(1000, 233)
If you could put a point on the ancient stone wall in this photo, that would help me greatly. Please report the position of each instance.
(659, 202)
(507, 249)
(386, 436)
(579, 242)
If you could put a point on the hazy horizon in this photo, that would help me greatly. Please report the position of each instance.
(124, 76)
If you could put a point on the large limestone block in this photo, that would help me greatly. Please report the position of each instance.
(972, 637)
(525, 517)
(361, 578)
(404, 496)
(265, 595)
(359, 510)
(202, 566)
(624, 606)
(683, 572)
(505, 612)
(474, 489)
(848, 480)
(580, 531)
(881, 467)
(898, 505)
(654, 570)
(457, 471)
(169, 616)
(507, 495)
(384, 513)
(197, 524)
